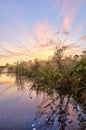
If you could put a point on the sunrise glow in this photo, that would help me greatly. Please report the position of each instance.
(27, 27)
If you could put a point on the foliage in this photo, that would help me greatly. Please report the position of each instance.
(60, 72)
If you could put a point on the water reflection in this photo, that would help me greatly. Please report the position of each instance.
(45, 108)
(20, 83)
(59, 110)
(17, 110)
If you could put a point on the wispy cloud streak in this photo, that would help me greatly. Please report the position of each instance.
(68, 12)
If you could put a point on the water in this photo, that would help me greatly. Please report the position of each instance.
(25, 108)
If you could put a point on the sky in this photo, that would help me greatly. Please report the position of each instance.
(28, 26)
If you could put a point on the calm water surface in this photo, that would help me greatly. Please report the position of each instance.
(23, 108)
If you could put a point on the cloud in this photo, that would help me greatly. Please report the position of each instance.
(66, 32)
(68, 12)
(43, 32)
(83, 38)
(38, 40)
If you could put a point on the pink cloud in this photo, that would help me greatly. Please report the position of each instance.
(83, 38)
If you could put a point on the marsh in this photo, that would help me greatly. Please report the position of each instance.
(24, 106)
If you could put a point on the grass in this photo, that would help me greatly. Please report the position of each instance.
(67, 74)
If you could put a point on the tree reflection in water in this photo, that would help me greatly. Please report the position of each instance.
(20, 83)
(57, 109)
